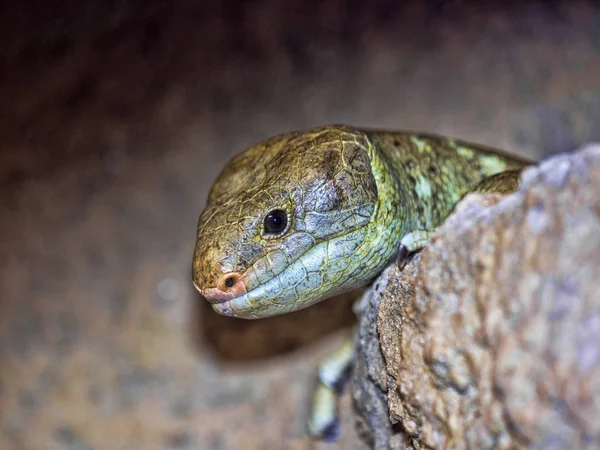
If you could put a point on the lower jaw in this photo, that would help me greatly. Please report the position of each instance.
(223, 308)
(230, 308)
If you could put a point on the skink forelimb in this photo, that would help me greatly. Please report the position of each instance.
(333, 374)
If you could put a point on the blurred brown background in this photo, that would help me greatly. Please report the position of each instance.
(115, 118)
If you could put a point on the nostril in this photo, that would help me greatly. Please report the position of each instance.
(230, 282)
(229, 286)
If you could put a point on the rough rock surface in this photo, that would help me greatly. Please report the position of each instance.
(491, 337)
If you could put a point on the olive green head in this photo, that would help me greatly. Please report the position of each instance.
(282, 219)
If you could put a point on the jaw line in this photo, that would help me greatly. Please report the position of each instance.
(225, 308)
(243, 305)
(236, 306)
(232, 306)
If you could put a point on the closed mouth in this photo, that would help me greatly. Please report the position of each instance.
(216, 296)
(229, 305)
(223, 308)
(278, 294)
(300, 284)
(220, 300)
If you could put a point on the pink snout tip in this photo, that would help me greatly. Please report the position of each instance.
(229, 286)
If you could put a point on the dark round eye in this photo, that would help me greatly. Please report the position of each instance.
(275, 221)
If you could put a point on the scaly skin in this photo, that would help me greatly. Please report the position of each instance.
(350, 196)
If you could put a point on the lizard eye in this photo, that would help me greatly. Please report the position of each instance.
(275, 222)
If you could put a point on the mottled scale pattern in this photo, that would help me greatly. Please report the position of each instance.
(435, 172)
(349, 195)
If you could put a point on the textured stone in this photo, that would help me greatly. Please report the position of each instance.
(490, 338)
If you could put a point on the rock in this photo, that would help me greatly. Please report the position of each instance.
(490, 338)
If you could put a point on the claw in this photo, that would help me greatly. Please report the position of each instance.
(403, 257)
(332, 432)
(410, 244)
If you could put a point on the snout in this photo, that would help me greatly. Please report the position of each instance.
(229, 286)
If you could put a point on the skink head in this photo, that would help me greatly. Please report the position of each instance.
(282, 220)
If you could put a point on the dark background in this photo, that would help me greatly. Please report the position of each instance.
(115, 118)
